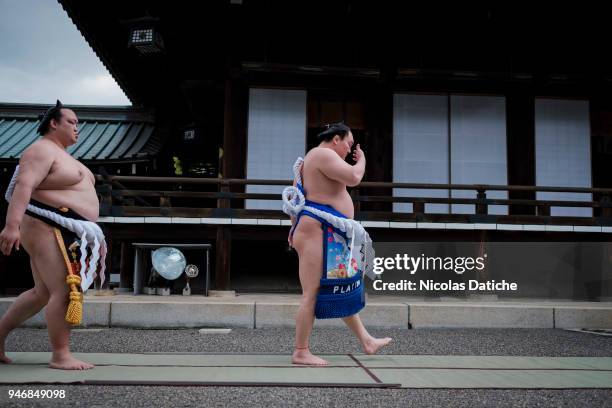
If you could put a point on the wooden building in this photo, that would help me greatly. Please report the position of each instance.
(466, 115)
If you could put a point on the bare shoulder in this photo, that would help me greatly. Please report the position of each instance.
(320, 153)
(40, 150)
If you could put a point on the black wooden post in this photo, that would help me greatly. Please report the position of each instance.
(606, 208)
(481, 207)
(223, 252)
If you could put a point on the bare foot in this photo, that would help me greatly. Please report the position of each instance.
(68, 362)
(4, 359)
(373, 345)
(305, 357)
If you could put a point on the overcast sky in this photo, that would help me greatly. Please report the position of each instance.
(44, 57)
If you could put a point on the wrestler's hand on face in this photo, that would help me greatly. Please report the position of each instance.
(9, 237)
(357, 153)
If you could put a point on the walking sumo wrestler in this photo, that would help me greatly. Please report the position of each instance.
(52, 213)
(333, 249)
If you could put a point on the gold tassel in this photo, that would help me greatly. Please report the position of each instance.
(74, 314)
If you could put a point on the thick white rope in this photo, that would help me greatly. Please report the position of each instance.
(293, 199)
(294, 203)
(90, 233)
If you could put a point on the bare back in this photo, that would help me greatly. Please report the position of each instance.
(68, 183)
(321, 188)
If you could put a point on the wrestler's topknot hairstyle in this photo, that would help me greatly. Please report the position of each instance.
(55, 112)
(332, 130)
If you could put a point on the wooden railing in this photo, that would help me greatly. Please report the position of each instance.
(213, 197)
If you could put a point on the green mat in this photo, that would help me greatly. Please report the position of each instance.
(418, 371)
(181, 360)
(339, 376)
(492, 362)
(461, 378)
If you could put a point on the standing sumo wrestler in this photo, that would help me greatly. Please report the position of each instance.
(52, 213)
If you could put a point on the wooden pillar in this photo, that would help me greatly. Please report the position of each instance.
(485, 273)
(126, 277)
(233, 166)
(378, 145)
(481, 208)
(520, 143)
(223, 253)
(235, 125)
(601, 149)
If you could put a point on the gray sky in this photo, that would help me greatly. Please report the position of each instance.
(44, 57)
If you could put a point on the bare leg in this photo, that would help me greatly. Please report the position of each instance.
(51, 266)
(370, 344)
(25, 306)
(308, 242)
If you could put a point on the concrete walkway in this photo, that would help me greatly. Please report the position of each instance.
(278, 310)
